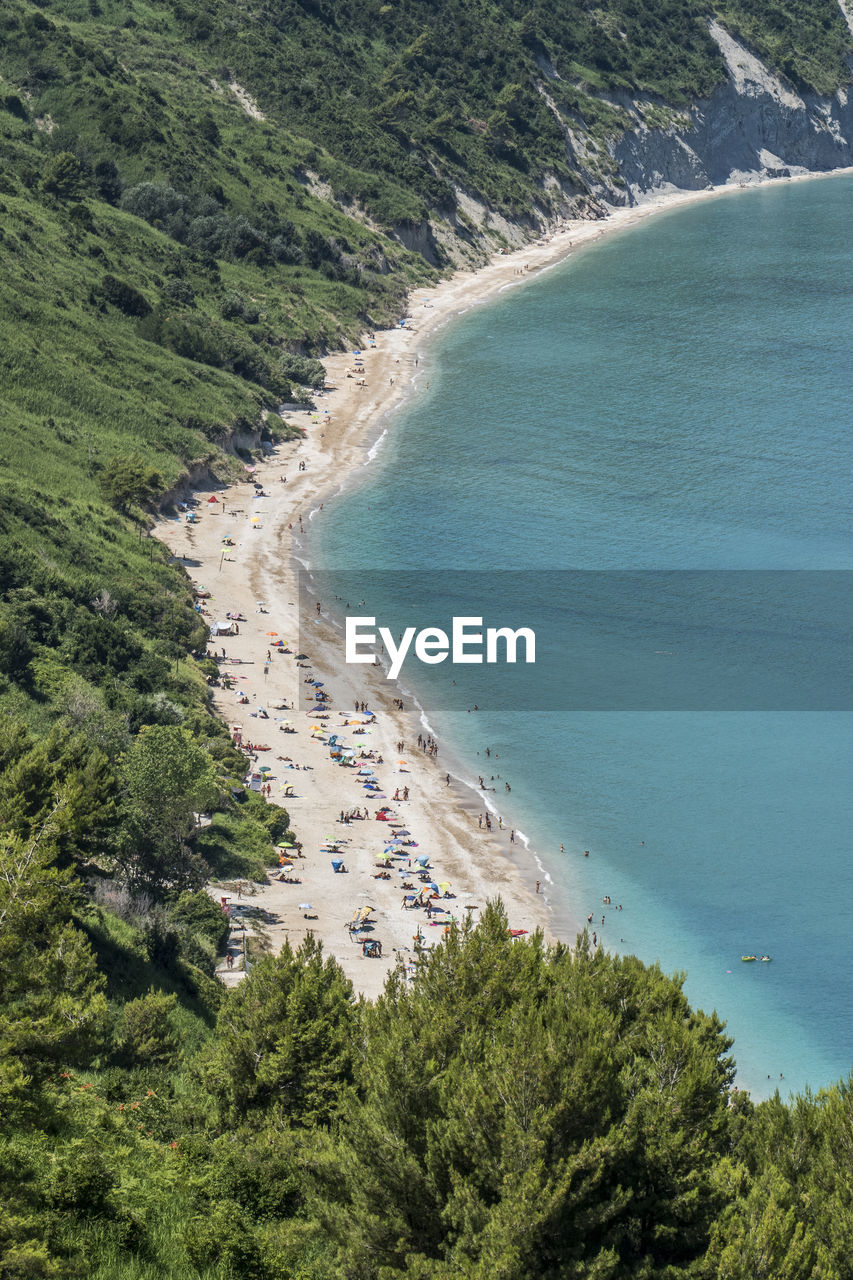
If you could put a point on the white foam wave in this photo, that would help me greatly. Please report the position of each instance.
(373, 450)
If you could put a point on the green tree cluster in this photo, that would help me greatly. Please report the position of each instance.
(511, 1110)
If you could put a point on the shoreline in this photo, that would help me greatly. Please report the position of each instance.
(355, 418)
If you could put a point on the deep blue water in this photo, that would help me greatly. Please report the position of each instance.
(677, 396)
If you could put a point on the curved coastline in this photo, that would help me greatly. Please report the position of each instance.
(350, 428)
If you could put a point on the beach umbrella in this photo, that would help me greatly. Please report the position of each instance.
(305, 906)
(422, 860)
(271, 633)
(444, 885)
(401, 832)
(264, 768)
(337, 862)
(300, 657)
(213, 498)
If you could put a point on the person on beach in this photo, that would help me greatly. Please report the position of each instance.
(537, 886)
(512, 837)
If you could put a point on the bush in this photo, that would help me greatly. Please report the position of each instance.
(224, 1238)
(15, 649)
(63, 176)
(200, 915)
(126, 479)
(79, 1179)
(107, 181)
(301, 369)
(153, 201)
(236, 306)
(161, 940)
(181, 292)
(123, 295)
(12, 103)
(146, 1033)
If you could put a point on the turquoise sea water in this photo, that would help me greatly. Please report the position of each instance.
(677, 396)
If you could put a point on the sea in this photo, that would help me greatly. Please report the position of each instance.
(648, 449)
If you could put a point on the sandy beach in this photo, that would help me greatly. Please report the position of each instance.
(267, 532)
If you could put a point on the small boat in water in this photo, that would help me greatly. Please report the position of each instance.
(766, 958)
(745, 958)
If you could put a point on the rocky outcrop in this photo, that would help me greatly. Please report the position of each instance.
(753, 126)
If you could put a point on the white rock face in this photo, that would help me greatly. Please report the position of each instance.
(749, 75)
(753, 126)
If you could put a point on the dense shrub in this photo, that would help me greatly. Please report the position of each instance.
(124, 296)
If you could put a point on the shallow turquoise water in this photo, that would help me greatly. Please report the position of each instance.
(677, 396)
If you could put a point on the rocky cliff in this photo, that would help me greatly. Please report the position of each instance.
(753, 126)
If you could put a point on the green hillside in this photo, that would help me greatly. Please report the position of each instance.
(197, 201)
